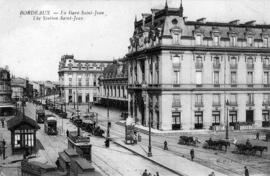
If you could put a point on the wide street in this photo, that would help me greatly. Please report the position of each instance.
(228, 162)
(109, 161)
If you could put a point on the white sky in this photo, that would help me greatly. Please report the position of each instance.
(33, 48)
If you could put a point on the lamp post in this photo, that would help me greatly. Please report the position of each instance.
(108, 117)
(74, 99)
(227, 121)
(149, 154)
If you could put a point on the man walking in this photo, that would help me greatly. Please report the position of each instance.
(257, 136)
(4, 148)
(3, 123)
(192, 154)
(246, 171)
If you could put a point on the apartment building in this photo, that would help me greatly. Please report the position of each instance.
(197, 74)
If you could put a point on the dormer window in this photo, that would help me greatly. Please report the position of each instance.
(249, 41)
(216, 40)
(80, 66)
(198, 39)
(265, 42)
(175, 37)
(233, 41)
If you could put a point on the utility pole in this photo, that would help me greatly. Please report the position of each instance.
(227, 121)
(108, 115)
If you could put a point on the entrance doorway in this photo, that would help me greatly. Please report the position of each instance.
(198, 119)
(249, 116)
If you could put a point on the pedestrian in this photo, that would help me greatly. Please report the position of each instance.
(4, 148)
(157, 174)
(145, 173)
(212, 174)
(257, 136)
(67, 133)
(3, 122)
(192, 154)
(165, 145)
(246, 171)
(248, 144)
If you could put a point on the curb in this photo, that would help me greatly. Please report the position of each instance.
(155, 162)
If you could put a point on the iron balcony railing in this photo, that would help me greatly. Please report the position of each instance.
(216, 65)
(198, 65)
(266, 103)
(266, 66)
(233, 103)
(199, 86)
(233, 66)
(198, 104)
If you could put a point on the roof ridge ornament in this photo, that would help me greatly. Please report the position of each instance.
(181, 9)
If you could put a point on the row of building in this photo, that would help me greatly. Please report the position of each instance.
(13, 89)
(181, 74)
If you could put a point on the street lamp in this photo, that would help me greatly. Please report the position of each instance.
(149, 154)
(108, 116)
(227, 121)
(74, 99)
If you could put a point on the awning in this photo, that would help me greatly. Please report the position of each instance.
(7, 106)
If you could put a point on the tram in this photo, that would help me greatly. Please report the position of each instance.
(40, 115)
(50, 125)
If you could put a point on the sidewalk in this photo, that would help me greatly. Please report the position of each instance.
(178, 165)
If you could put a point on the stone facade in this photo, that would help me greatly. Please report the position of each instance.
(78, 79)
(196, 74)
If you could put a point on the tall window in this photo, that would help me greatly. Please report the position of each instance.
(69, 91)
(233, 62)
(176, 75)
(250, 99)
(87, 80)
(69, 81)
(266, 99)
(216, 40)
(216, 117)
(216, 99)
(176, 69)
(233, 99)
(266, 61)
(198, 77)
(233, 78)
(80, 81)
(216, 77)
(176, 101)
(216, 62)
(265, 42)
(198, 100)
(176, 120)
(249, 77)
(198, 39)
(266, 78)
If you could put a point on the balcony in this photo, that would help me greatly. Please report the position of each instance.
(198, 104)
(198, 65)
(176, 66)
(266, 66)
(216, 65)
(250, 66)
(250, 103)
(266, 103)
(233, 66)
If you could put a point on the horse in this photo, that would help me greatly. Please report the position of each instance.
(243, 148)
(224, 143)
(186, 140)
(259, 148)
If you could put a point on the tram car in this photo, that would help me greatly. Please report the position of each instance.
(50, 125)
(40, 115)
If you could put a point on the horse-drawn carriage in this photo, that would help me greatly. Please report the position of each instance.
(249, 149)
(187, 140)
(216, 144)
